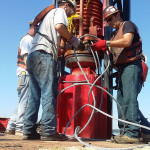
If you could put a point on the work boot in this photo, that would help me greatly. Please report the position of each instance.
(54, 137)
(33, 136)
(113, 138)
(12, 132)
(124, 139)
(146, 138)
(19, 133)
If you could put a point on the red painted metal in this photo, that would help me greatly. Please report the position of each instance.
(80, 3)
(88, 11)
(72, 99)
(104, 6)
(3, 124)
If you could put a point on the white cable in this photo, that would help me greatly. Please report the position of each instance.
(95, 61)
(98, 109)
(100, 72)
(102, 148)
(94, 108)
(92, 93)
(107, 53)
(91, 88)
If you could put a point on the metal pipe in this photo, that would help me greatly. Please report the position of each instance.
(81, 18)
(108, 82)
(126, 10)
(109, 2)
(54, 2)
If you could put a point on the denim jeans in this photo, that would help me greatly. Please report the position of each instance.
(144, 122)
(43, 87)
(130, 75)
(16, 120)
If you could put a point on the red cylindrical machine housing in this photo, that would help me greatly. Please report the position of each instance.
(72, 99)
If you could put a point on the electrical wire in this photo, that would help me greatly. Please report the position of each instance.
(108, 58)
(77, 130)
(95, 62)
(92, 85)
(100, 72)
(94, 101)
(138, 125)
(102, 148)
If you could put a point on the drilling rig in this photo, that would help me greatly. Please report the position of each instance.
(87, 26)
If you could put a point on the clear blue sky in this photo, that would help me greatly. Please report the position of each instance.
(15, 15)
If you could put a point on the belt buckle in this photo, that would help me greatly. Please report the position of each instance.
(23, 73)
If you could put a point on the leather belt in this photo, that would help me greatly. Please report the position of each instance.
(44, 52)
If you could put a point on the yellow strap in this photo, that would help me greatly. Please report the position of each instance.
(87, 4)
(70, 23)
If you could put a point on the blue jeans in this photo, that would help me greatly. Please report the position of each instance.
(16, 120)
(43, 86)
(130, 75)
(144, 122)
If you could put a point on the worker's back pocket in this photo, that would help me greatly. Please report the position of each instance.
(21, 82)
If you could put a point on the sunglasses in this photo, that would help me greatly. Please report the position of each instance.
(110, 19)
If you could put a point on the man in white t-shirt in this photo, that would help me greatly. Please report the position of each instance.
(15, 124)
(41, 64)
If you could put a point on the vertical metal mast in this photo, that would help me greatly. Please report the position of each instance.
(107, 76)
(126, 10)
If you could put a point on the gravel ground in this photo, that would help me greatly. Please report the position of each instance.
(13, 142)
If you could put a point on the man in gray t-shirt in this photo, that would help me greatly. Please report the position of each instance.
(41, 65)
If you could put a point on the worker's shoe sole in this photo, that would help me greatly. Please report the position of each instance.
(146, 138)
(123, 139)
(19, 133)
(54, 137)
(12, 132)
(34, 136)
(113, 138)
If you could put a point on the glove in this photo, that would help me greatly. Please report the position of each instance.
(81, 46)
(75, 42)
(100, 45)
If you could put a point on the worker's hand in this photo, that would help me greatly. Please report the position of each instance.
(75, 42)
(99, 45)
(81, 46)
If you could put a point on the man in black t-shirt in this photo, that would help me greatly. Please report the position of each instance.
(126, 49)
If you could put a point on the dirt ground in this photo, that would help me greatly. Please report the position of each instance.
(13, 142)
